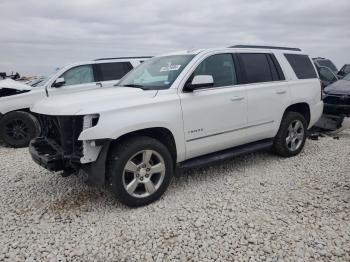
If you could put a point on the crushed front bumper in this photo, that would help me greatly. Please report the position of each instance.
(50, 156)
(46, 154)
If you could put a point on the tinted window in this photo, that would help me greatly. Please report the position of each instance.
(113, 71)
(302, 66)
(327, 63)
(78, 75)
(326, 74)
(221, 67)
(257, 68)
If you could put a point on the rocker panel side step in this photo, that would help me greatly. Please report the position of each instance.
(225, 154)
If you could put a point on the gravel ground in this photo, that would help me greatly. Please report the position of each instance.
(256, 207)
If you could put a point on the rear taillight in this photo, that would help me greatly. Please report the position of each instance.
(322, 88)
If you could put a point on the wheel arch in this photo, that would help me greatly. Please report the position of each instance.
(162, 134)
(25, 109)
(302, 108)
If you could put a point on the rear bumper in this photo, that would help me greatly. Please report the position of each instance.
(316, 113)
(46, 154)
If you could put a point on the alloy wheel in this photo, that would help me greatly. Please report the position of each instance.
(295, 135)
(143, 173)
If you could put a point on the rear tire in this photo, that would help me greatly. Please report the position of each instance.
(291, 135)
(18, 128)
(140, 170)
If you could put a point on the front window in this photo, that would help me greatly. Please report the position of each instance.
(220, 67)
(78, 75)
(157, 73)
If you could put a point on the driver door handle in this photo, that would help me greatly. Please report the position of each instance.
(236, 98)
(281, 92)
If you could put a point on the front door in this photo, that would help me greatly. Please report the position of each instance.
(214, 118)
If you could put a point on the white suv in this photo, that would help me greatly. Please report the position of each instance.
(18, 126)
(177, 111)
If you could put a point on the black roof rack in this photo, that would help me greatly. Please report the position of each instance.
(266, 47)
(125, 57)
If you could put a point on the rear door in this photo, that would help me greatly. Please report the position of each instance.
(267, 93)
(108, 74)
(77, 79)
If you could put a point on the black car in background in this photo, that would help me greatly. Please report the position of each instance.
(344, 71)
(337, 98)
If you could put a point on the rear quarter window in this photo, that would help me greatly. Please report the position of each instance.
(302, 66)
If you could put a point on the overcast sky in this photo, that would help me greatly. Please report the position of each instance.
(38, 36)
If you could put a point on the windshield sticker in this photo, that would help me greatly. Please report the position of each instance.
(170, 68)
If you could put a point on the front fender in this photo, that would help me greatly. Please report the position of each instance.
(115, 124)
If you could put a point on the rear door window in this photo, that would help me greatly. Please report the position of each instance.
(259, 67)
(113, 71)
(302, 66)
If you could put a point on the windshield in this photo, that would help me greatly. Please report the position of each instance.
(347, 77)
(328, 64)
(157, 73)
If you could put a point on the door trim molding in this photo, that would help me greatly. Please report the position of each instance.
(230, 131)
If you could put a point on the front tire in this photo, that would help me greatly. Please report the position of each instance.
(291, 135)
(18, 128)
(140, 170)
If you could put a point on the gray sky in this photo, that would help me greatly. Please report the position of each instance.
(38, 36)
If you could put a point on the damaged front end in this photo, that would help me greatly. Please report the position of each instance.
(9, 87)
(58, 147)
(337, 104)
(336, 109)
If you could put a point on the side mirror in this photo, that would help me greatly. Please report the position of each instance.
(327, 75)
(59, 82)
(200, 81)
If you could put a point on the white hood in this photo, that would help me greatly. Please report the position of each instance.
(92, 101)
(12, 84)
